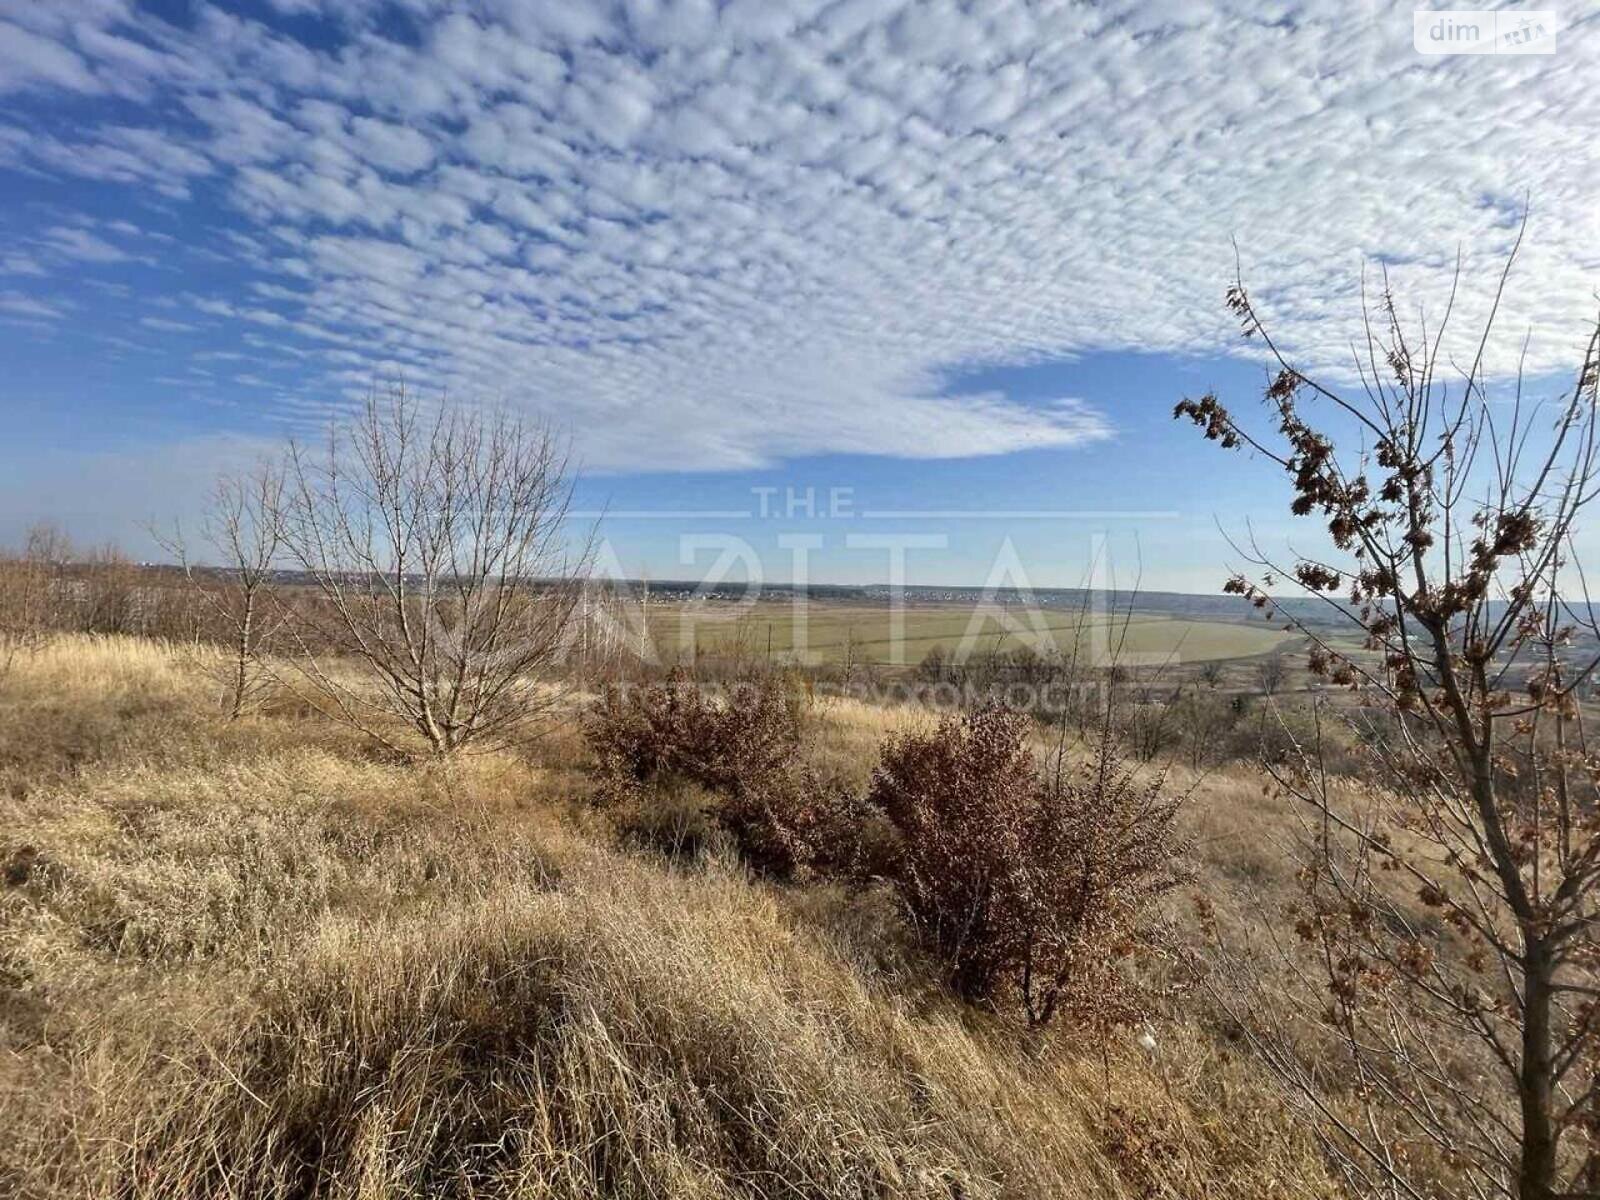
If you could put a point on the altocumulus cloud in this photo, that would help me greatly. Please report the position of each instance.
(711, 234)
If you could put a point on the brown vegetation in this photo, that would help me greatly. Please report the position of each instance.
(27, 579)
(246, 958)
(437, 547)
(1450, 906)
(244, 532)
(742, 751)
(262, 948)
(1036, 886)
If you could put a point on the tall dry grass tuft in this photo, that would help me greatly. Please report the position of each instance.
(247, 959)
(630, 1034)
(84, 698)
(76, 664)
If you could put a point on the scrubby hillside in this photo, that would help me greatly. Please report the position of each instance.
(252, 959)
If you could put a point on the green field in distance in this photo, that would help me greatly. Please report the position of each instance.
(833, 633)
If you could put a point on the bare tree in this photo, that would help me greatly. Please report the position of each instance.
(28, 584)
(1448, 917)
(437, 545)
(1271, 671)
(244, 530)
(109, 592)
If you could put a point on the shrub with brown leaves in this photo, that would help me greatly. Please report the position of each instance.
(1038, 889)
(744, 749)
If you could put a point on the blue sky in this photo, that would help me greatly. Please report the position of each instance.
(946, 256)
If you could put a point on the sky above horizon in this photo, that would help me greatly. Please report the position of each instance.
(837, 270)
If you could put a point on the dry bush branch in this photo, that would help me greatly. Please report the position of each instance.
(244, 530)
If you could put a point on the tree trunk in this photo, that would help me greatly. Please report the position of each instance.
(1536, 1177)
(241, 668)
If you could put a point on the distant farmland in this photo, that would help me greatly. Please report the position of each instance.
(864, 633)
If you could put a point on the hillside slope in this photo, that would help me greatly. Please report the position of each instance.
(250, 960)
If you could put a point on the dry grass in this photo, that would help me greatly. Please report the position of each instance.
(252, 960)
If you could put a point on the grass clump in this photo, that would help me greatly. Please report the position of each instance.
(631, 1034)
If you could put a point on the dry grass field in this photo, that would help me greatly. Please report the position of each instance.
(823, 632)
(252, 959)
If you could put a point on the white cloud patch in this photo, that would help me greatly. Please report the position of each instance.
(392, 147)
(708, 234)
(20, 304)
(20, 263)
(166, 325)
(81, 246)
(30, 61)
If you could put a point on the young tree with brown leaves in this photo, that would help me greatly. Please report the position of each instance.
(1448, 918)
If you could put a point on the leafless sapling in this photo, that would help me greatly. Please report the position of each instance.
(436, 543)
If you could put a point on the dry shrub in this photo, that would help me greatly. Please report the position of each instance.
(1038, 889)
(743, 750)
(110, 592)
(26, 583)
(676, 729)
